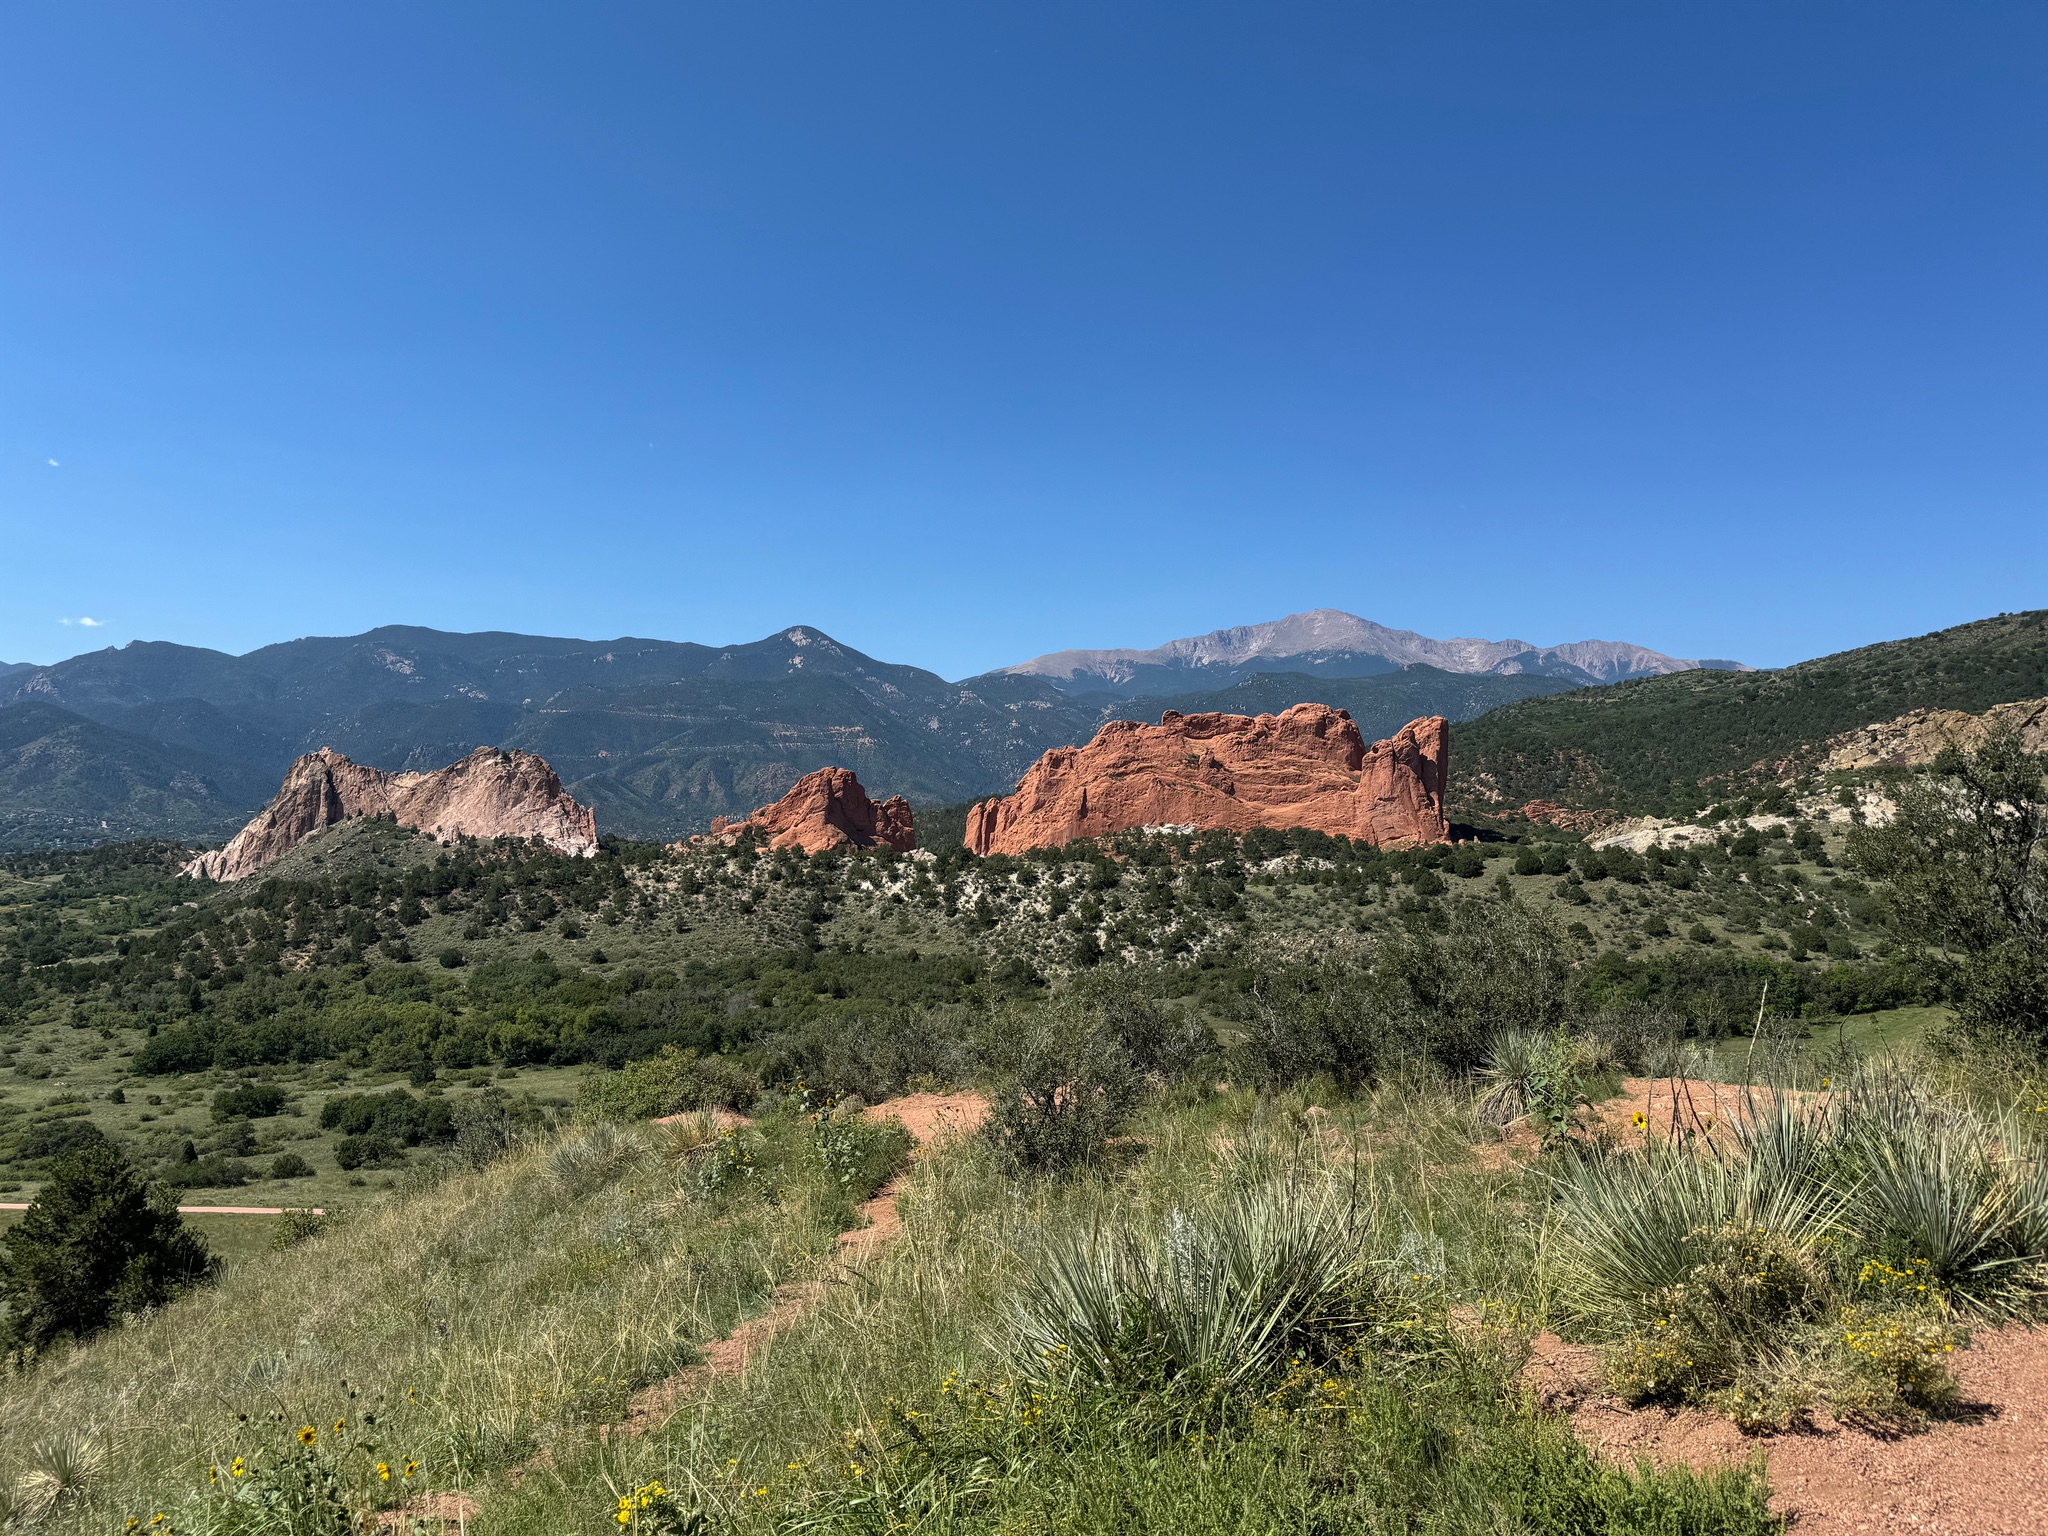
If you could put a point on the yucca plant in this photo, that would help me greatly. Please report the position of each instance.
(1931, 1189)
(1631, 1228)
(1514, 1062)
(59, 1469)
(1218, 1298)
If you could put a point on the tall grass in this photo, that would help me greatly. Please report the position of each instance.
(479, 1321)
(917, 1398)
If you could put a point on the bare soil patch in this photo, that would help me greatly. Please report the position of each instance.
(1982, 1473)
(439, 1510)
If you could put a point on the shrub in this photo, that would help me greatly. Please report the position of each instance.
(289, 1165)
(1633, 1228)
(367, 1151)
(1165, 1041)
(294, 1227)
(395, 1116)
(95, 1245)
(490, 1124)
(870, 1054)
(213, 1171)
(248, 1101)
(1532, 1074)
(858, 1154)
(1064, 1084)
(1410, 998)
(670, 1083)
(1829, 1254)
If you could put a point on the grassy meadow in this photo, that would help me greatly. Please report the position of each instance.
(1294, 1148)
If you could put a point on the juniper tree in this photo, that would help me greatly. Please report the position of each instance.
(1965, 861)
(97, 1244)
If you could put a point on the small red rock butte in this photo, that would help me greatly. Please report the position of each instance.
(1307, 767)
(829, 809)
(490, 793)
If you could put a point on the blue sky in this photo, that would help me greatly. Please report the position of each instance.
(968, 332)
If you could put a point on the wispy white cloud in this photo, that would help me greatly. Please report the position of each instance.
(55, 465)
(85, 623)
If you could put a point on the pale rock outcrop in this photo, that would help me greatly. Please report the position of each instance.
(490, 793)
(828, 809)
(1307, 767)
(1915, 738)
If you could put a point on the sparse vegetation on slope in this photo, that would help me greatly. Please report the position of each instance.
(1673, 745)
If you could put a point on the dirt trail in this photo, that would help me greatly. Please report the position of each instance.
(930, 1118)
(1983, 1473)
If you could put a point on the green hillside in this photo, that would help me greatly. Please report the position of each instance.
(68, 780)
(1673, 744)
(1293, 1074)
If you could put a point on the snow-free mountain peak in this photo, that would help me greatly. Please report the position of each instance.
(1331, 643)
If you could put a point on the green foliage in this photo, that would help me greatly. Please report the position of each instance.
(669, 1083)
(1223, 1299)
(248, 1101)
(1965, 862)
(1832, 1252)
(1533, 1074)
(95, 1245)
(1669, 744)
(857, 1154)
(1063, 1083)
(1416, 996)
(396, 1116)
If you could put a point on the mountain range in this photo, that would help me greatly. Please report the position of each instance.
(154, 738)
(1326, 642)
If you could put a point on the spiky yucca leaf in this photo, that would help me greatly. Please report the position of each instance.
(1932, 1189)
(1632, 1227)
(1220, 1297)
(58, 1470)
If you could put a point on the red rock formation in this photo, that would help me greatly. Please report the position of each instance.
(829, 809)
(488, 794)
(1308, 767)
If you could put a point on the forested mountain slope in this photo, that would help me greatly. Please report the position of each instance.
(1672, 744)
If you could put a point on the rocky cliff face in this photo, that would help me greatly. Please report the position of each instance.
(829, 809)
(1307, 767)
(488, 794)
(1914, 738)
